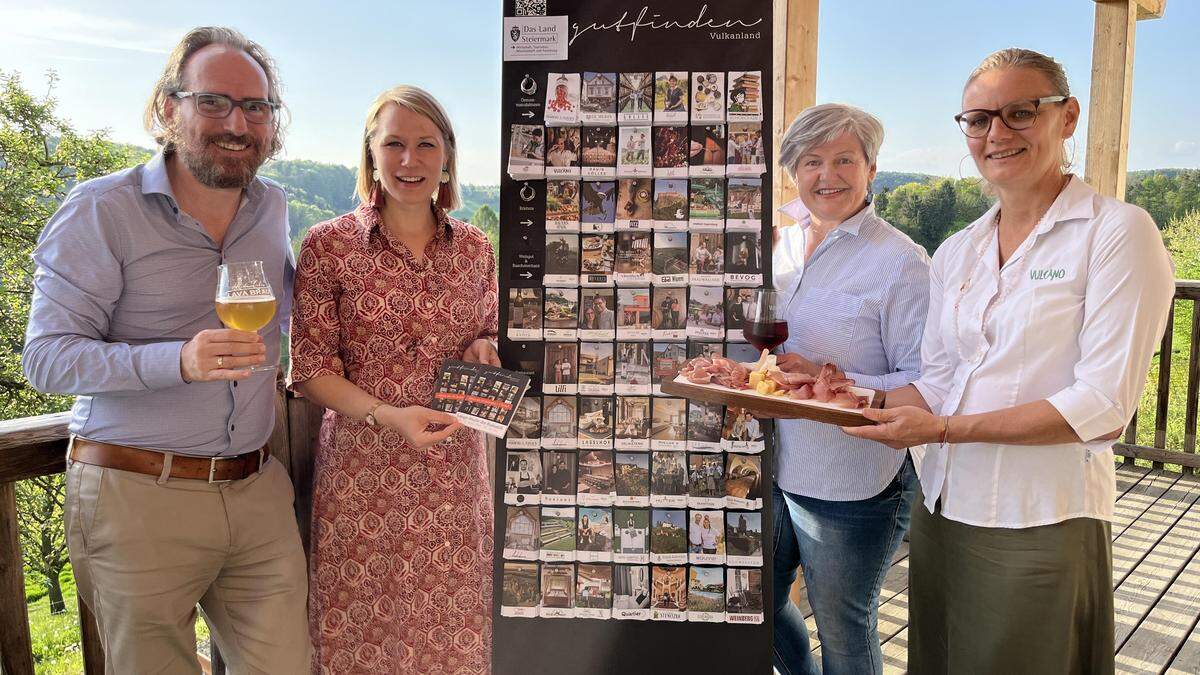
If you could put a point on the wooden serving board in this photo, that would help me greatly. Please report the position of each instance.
(776, 406)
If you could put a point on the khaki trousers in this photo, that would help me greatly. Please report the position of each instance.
(146, 552)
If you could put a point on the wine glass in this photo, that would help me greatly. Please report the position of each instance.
(764, 326)
(245, 300)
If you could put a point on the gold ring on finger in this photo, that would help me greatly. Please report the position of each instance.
(220, 362)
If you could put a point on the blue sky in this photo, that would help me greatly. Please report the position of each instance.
(903, 61)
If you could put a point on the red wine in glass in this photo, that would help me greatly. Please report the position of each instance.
(764, 327)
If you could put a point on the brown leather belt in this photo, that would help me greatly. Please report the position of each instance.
(150, 462)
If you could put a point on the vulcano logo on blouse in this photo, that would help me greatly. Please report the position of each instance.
(1047, 274)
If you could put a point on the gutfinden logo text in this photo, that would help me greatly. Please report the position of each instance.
(718, 29)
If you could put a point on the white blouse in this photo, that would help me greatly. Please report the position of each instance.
(1073, 317)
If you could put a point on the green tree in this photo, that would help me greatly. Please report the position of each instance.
(41, 158)
(485, 218)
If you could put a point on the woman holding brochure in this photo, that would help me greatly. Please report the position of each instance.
(402, 514)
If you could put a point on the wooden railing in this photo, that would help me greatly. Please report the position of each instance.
(36, 446)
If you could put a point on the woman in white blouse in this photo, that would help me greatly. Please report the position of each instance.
(1043, 316)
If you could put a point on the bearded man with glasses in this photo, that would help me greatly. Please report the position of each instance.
(172, 499)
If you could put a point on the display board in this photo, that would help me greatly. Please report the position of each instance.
(633, 529)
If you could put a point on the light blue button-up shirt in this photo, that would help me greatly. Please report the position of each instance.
(124, 279)
(859, 302)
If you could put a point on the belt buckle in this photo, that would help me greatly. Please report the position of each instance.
(212, 470)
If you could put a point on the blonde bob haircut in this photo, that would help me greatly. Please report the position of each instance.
(423, 103)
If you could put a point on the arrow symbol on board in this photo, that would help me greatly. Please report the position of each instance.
(527, 275)
(527, 222)
(527, 114)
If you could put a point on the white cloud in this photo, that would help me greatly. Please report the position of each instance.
(52, 24)
(1185, 148)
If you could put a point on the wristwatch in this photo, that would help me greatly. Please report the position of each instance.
(370, 416)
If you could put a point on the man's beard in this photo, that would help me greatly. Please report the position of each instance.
(213, 171)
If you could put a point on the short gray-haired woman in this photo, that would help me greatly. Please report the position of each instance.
(855, 291)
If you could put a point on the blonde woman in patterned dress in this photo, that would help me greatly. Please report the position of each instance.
(401, 529)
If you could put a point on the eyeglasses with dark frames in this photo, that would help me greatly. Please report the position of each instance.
(1018, 115)
(218, 106)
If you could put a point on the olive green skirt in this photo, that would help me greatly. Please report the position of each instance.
(989, 600)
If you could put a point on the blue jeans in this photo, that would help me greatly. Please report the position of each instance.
(845, 549)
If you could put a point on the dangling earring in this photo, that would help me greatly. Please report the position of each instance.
(375, 175)
(445, 176)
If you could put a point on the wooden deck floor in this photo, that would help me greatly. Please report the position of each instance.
(1156, 576)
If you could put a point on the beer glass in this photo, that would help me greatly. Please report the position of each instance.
(245, 300)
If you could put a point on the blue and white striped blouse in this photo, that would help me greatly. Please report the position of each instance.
(859, 303)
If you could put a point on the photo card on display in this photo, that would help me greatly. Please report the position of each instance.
(706, 481)
(562, 206)
(522, 477)
(562, 99)
(667, 359)
(743, 481)
(707, 151)
(706, 594)
(704, 426)
(668, 479)
(668, 593)
(519, 595)
(671, 98)
(562, 152)
(743, 538)
(593, 591)
(743, 259)
(599, 152)
(596, 261)
(669, 313)
(596, 485)
(633, 314)
(596, 368)
(631, 543)
(708, 350)
(706, 312)
(598, 99)
(745, 151)
(743, 209)
(671, 152)
(634, 156)
(668, 536)
(525, 432)
(743, 596)
(597, 203)
(558, 591)
(635, 98)
(706, 537)
(670, 204)
(706, 262)
(562, 260)
(634, 253)
(594, 535)
(633, 368)
(708, 97)
(559, 483)
(631, 592)
(670, 263)
(633, 423)
(527, 151)
(668, 430)
(522, 540)
(597, 317)
(739, 308)
(524, 314)
(557, 534)
(742, 431)
(560, 372)
(633, 479)
(706, 204)
(743, 353)
(595, 423)
(560, 414)
(635, 204)
(745, 96)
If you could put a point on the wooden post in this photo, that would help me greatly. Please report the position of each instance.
(795, 82)
(1112, 86)
(16, 647)
(91, 645)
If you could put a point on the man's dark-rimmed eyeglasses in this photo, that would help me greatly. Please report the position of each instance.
(1017, 115)
(218, 106)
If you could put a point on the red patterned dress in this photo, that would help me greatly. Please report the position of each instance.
(401, 572)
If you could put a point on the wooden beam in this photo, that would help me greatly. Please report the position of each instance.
(1146, 9)
(795, 82)
(1112, 84)
(16, 645)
